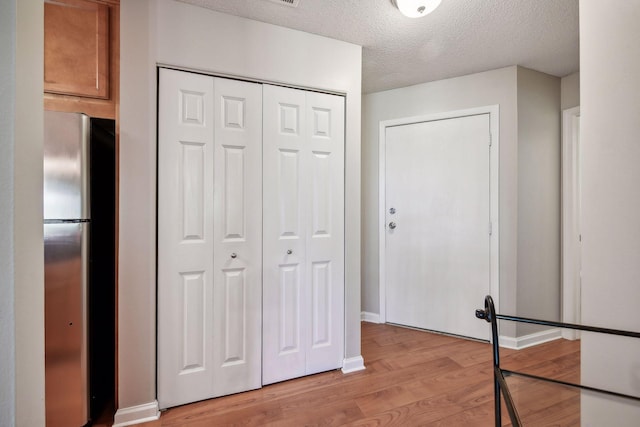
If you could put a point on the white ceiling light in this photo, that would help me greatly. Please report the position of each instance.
(416, 8)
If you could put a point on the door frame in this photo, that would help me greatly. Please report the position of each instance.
(570, 221)
(494, 157)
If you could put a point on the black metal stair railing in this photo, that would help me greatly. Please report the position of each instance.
(500, 384)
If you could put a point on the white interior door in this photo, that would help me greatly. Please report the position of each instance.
(303, 239)
(209, 237)
(438, 251)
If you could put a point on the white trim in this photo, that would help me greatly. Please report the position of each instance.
(366, 316)
(353, 364)
(136, 414)
(570, 220)
(382, 219)
(494, 125)
(530, 340)
(220, 74)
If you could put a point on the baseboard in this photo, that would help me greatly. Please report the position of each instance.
(530, 340)
(365, 316)
(136, 414)
(352, 364)
(570, 334)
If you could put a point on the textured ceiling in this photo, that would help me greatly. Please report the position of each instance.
(460, 37)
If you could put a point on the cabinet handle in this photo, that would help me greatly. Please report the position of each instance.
(289, 251)
(234, 255)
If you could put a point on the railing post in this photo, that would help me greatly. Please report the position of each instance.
(490, 312)
(501, 389)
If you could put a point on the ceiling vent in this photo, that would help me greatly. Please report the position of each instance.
(290, 3)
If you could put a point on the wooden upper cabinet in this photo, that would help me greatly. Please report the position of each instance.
(76, 48)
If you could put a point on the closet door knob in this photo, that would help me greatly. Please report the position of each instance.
(289, 251)
(234, 255)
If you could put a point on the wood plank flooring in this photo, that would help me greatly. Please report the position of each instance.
(413, 378)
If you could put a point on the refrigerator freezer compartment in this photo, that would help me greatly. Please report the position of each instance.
(66, 166)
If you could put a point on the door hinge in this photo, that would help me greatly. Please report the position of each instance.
(490, 139)
(490, 228)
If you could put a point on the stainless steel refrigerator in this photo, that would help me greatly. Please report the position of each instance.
(67, 229)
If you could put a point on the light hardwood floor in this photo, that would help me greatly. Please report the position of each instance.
(413, 378)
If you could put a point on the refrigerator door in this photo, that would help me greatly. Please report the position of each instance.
(66, 165)
(66, 264)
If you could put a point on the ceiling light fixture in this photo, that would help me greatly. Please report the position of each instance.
(416, 8)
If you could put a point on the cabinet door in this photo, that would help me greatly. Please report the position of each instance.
(76, 48)
(303, 240)
(209, 237)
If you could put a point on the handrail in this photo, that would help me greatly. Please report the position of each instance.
(499, 383)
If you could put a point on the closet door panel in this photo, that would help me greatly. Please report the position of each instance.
(303, 233)
(209, 237)
(284, 223)
(250, 235)
(325, 231)
(237, 254)
(185, 237)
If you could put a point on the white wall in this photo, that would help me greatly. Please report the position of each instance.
(539, 152)
(21, 247)
(137, 198)
(570, 91)
(28, 230)
(488, 88)
(178, 34)
(7, 277)
(529, 194)
(610, 107)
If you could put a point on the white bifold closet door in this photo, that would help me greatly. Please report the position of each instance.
(303, 239)
(209, 237)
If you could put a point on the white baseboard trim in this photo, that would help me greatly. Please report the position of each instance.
(530, 340)
(570, 334)
(365, 316)
(136, 414)
(352, 364)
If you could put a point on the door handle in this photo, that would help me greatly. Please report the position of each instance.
(392, 225)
